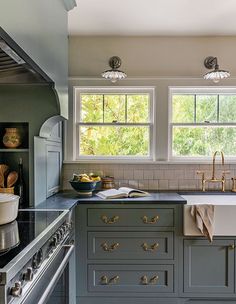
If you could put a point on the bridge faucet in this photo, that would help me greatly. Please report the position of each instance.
(213, 178)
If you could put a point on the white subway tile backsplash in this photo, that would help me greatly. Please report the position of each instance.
(148, 174)
(129, 174)
(152, 177)
(138, 174)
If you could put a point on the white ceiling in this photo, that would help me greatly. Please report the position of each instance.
(153, 17)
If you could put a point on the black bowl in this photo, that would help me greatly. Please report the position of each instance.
(83, 186)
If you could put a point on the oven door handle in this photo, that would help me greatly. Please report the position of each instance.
(57, 275)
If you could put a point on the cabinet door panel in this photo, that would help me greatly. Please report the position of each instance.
(208, 267)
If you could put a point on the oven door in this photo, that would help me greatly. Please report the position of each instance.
(55, 285)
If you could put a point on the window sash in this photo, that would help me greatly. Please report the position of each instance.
(104, 157)
(78, 91)
(196, 91)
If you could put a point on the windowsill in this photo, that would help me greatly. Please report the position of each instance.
(151, 162)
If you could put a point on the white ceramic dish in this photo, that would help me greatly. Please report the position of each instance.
(9, 204)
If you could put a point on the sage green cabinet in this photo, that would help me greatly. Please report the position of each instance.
(209, 267)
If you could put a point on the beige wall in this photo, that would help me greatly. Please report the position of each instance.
(159, 62)
(150, 56)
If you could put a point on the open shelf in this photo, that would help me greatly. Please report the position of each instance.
(14, 150)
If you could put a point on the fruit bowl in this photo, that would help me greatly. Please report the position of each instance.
(83, 188)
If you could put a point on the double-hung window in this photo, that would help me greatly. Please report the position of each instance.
(202, 120)
(114, 123)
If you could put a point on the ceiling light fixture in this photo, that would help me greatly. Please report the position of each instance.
(114, 74)
(216, 75)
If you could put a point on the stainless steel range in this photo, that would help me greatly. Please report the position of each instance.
(36, 258)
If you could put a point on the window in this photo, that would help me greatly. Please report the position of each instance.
(114, 122)
(202, 121)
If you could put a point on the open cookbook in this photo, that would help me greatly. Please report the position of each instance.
(122, 192)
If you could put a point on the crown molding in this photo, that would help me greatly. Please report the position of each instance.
(70, 4)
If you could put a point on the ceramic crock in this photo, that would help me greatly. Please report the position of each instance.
(12, 138)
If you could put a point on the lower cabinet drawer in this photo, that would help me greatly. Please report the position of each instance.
(142, 217)
(130, 278)
(130, 245)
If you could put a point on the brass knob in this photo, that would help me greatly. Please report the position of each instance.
(114, 280)
(105, 281)
(111, 220)
(144, 280)
(231, 246)
(106, 247)
(152, 247)
(154, 280)
(151, 221)
(151, 281)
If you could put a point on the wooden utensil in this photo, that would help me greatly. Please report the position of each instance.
(12, 179)
(3, 170)
(1, 181)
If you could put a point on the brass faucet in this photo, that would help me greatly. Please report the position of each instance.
(213, 178)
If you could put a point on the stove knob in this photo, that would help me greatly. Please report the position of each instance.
(62, 232)
(58, 234)
(53, 243)
(28, 275)
(37, 259)
(64, 228)
(16, 290)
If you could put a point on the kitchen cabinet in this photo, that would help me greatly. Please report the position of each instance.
(129, 253)
(209, 268)
(125, 250)
(47, 166)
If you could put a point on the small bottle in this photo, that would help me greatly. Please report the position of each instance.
(21, 189)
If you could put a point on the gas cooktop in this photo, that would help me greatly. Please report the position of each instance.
(15, 236)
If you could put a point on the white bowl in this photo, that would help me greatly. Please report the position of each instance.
(9, 204)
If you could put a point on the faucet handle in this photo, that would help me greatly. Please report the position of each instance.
(224, 173)
(201, 172)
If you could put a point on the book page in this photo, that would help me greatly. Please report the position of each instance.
(112, 193)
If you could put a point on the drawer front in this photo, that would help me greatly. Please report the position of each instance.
(130, 278)
(130, 245)
(152, 217)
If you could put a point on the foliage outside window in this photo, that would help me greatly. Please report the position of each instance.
(202, 123)
(113, 124)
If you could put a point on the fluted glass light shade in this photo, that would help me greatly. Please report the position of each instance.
(114, 74)
(216, 75)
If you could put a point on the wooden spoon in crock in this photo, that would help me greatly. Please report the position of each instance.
(12, 179)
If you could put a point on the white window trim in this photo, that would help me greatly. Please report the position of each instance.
(194, 90)
(120, 90)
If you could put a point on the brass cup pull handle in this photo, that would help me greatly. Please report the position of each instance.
(111, 220)
(231, 246)
(153, 220)
(152, 247)
(151, 281)
(106, 281)
(106, 247)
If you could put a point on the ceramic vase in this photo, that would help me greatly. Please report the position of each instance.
(12, 138)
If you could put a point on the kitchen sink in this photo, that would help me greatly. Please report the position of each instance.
(225, 213)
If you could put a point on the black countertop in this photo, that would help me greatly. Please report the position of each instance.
(69, 199)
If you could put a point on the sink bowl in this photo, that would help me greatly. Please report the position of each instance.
(225, 214)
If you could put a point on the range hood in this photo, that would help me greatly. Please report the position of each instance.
(16, 66)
